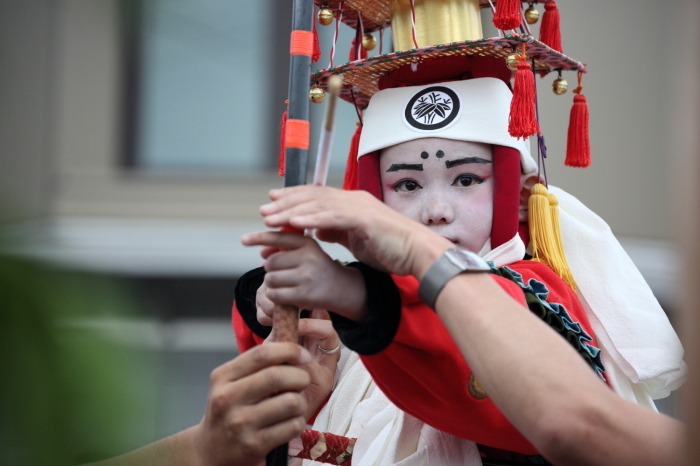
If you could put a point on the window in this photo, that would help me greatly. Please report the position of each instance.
(207, 80)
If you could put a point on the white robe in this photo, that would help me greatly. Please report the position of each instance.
(385, 434)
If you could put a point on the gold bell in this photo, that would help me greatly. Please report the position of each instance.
(512, 62)
(560, 86)
(369, 42)
(317, 95)
(532, 15)
(325, 16)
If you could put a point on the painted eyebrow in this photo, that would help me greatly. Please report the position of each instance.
(465, 160)
(405, 166)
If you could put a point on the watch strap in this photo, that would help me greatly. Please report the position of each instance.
(452, 263)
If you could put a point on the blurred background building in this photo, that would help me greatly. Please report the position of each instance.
(139, 138)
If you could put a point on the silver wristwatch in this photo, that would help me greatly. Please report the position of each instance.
(453, 262)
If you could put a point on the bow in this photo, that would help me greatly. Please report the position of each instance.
(296, 146)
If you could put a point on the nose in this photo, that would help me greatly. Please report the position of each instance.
(437, 212)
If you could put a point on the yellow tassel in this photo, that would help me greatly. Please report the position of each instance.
(545, 234)
(563, 266)
(539, 219)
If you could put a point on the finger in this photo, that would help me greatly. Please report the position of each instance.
(282, 432)
(264, 319)
(292, 258)
(267, 382)
(263, 306)
(286, 197)
(264, 309)
(317, 328)
(306, 188)
(262, 301)
(325, 218)
(300, 203)
(258, 358)
(289, 296)
(279, 408)
(264, 312)
(276, 239)
(282, 279)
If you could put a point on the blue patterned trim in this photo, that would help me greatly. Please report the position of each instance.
(556, 316)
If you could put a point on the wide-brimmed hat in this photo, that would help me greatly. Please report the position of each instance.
(427, 31)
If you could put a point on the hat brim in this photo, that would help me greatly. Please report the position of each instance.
(360, 77)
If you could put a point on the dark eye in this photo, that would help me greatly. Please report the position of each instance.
(467, 180)
(406, 186)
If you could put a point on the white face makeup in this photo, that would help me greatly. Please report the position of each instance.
(444, 184)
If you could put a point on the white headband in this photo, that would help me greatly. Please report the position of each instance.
(474, 110)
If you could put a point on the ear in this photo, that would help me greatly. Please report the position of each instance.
(527, 181)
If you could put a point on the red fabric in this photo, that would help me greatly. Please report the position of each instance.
(506, 194)
(508, 14)
(357, 53)
(368, 177)
(317, 45)
(443, 69)
(550, 29)
(245, 338)
(351, 169)
(523, 116)
(336, 447)
(578, 146)
(309, 439)
(424, 363)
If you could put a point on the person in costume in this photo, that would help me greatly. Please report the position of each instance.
(532, 388)
(450, 159)
(458, 188)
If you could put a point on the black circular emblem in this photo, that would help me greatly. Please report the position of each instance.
(432, 108)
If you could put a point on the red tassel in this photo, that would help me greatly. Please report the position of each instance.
(361, 55)
(317, 45)
(283, 128)
(508, 14)
(550, 32)
(578, 145)
(523, 116)
(351, 167)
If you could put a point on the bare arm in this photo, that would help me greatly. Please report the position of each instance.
(254, 405)
(176, 450)
(548, 393)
